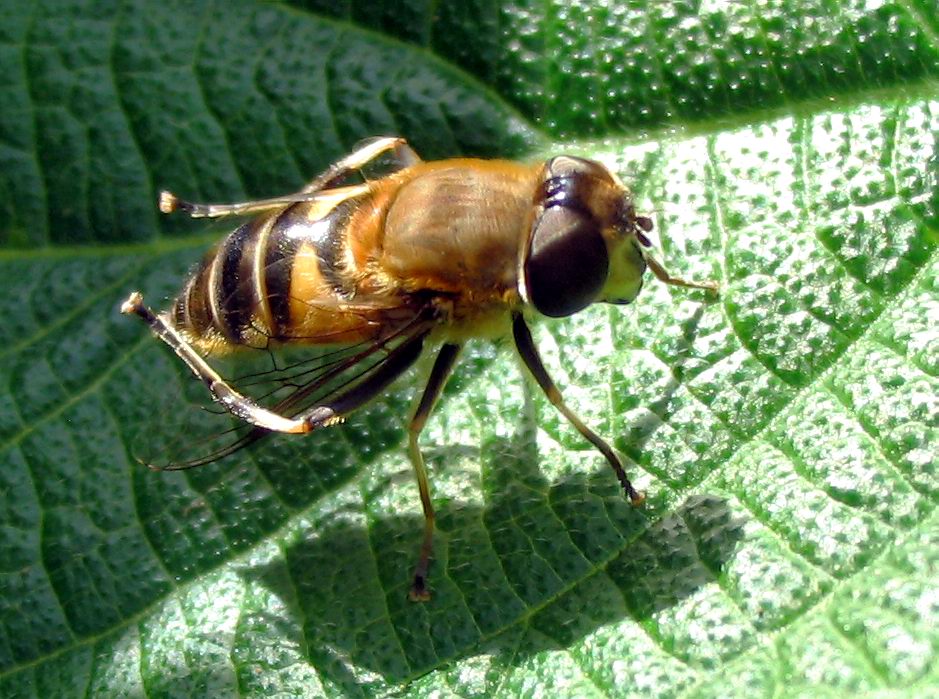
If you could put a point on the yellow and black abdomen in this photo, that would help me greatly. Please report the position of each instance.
(280, 277)
(353, 263)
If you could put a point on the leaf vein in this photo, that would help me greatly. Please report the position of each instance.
(860, 650)
(34, 100)
(875, 439)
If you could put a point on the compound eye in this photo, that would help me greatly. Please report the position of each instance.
(567, 264)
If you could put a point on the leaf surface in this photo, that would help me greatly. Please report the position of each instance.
(785, 432)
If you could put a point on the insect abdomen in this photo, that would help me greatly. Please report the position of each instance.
(269, 278)
(226, 302)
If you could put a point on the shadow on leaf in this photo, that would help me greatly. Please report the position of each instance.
(544, 563)
(538, 566)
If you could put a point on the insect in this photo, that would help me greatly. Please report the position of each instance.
(429, 255)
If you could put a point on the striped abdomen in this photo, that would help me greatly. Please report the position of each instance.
(356, 262)
(279, 277)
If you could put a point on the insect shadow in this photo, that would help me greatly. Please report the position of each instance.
(538, 566)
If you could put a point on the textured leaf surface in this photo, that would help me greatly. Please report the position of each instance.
(786, 432)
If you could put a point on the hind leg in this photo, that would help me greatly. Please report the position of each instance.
(402, 155)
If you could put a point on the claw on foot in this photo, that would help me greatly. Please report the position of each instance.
(419, 591)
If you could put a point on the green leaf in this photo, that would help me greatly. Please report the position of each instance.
(785, 432)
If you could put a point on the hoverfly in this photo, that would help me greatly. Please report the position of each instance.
(429, 255)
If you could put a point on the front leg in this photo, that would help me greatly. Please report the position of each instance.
(665, 276)
(529, 353)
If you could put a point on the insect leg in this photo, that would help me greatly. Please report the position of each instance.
(333, 409)
(234, 402)
(438, 377)
(368, 151)
(321, 415)
(169, 202)
(529, 353)
(403, 155)
(663, 275)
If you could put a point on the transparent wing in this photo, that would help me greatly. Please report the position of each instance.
(189, 430)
